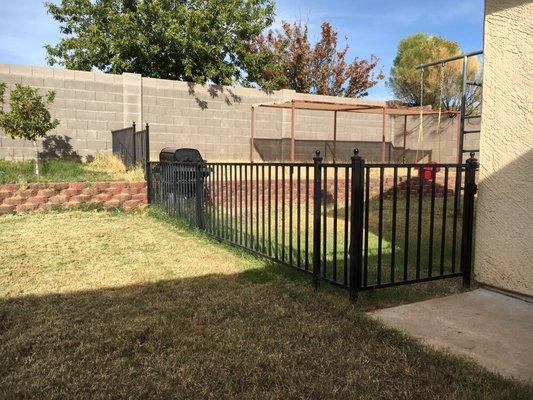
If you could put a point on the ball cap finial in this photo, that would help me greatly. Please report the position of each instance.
(355, 151)
(472, 154)
(317, 153)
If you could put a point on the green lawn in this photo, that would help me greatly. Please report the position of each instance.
(115, 305)
(104, 168)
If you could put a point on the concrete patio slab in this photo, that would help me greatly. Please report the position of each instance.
(493, 329)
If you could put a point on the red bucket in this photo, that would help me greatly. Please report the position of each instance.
(428, 172)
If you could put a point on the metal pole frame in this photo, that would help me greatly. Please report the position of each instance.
(404, 137)
(463, 111)
(199, 183)
(293, 134)
(334, 136)
(464, 56)
(454, 58)
(467, 239)
(147, 168)
(356, 224)
(383, 134)
(133, 128)
(317, 200)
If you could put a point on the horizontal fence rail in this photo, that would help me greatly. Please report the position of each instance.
(355, 225)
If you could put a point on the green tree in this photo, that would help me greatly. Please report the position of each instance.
(196, 40)
(421, 48)
(28, 116)
(286, 59)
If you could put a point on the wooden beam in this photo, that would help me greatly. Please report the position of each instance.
(383, 135)
(334, 136)
(293, 135)
(404, 136)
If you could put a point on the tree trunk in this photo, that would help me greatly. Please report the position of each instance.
(36, 157)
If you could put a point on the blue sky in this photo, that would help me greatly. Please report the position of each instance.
(372, 27)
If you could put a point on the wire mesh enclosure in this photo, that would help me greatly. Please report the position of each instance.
(358, 226)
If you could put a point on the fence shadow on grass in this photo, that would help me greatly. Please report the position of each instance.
(335, 263)
(283, 254)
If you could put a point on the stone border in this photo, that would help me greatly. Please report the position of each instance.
(45, 196)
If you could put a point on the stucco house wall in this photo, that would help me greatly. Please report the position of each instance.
(504, 224)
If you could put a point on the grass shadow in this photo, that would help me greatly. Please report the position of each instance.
(218, 336)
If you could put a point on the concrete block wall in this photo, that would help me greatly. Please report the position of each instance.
(214, 119)
(88, 105)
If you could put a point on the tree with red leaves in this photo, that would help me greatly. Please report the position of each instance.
(286, 60)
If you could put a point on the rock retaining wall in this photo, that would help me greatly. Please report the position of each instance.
(45, 196)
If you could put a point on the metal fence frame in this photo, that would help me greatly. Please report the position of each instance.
(133, 147)
(217, 205)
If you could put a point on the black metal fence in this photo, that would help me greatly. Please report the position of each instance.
(131, 145)
(356, 225)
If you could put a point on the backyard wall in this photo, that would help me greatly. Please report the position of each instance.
(215, 119)
(504, 227)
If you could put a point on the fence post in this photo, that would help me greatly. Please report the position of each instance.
(317, 200)
(468, 219)
(356, 224)
(134, 152)
(147, 167)
(199, 195)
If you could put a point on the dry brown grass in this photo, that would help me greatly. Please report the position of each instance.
(113, 165)
(110, 305)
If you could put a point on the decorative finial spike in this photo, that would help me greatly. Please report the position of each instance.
(355, 151)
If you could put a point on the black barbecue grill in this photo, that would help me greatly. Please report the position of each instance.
(184, 165)
(175, 155)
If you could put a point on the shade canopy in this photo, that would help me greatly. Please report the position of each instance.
(317, 105)
(340, 106)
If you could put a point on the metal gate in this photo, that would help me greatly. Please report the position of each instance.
(131, 145)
